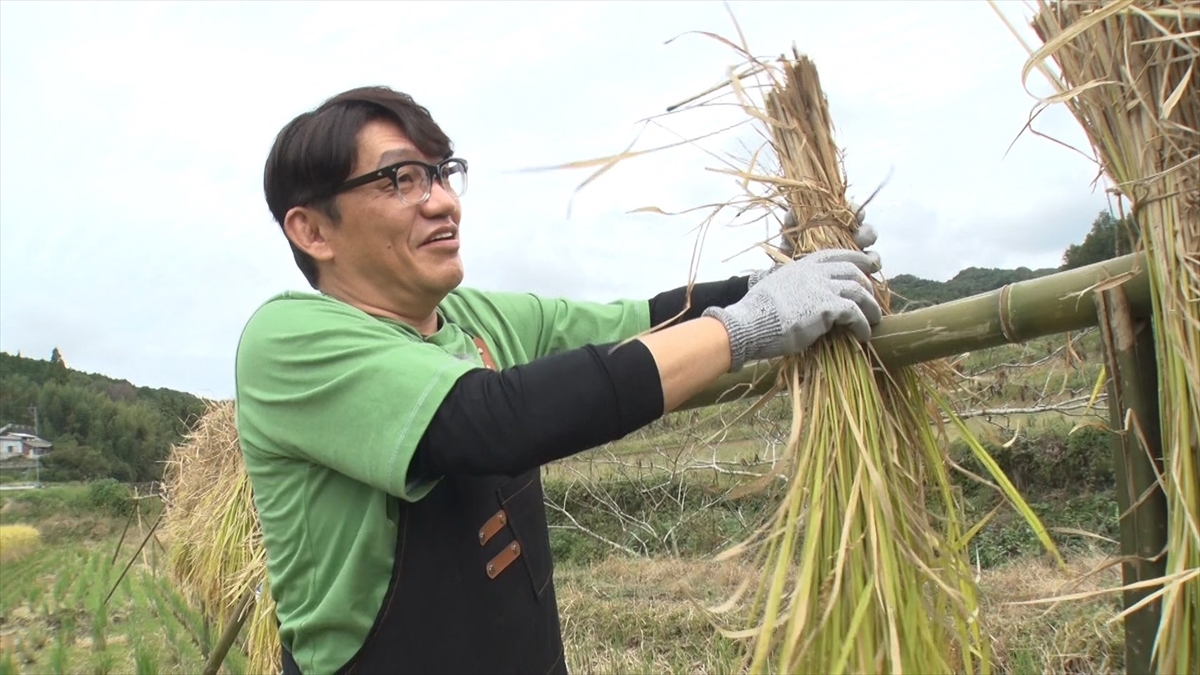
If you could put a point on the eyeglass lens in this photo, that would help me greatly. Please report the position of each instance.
(412, 182)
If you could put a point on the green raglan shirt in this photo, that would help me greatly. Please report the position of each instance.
(331, 403)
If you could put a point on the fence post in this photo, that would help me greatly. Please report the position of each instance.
(1137, 463)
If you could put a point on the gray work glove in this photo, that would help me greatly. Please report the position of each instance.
(864, 238)
(787, 311)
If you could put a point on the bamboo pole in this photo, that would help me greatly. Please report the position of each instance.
(1018, 312)
(229, 634)
(1137, 462)
(132, 560)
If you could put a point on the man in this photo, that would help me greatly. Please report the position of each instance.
(393, 424)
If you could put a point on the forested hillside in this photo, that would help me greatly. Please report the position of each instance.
(915, 292)
(1108, 238)
(101, 427)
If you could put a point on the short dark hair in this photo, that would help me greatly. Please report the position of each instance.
(318, 149)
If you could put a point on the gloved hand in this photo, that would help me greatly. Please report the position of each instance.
(787, 311)
(864, 238)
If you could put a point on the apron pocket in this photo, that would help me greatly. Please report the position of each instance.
(521, 499)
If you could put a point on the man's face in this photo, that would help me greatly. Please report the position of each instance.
(383, 252)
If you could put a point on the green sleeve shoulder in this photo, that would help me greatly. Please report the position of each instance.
(547, 326)
(321, 381)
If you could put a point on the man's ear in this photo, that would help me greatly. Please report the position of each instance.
(305, 228)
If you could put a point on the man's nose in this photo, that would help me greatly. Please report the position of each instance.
(441, 202)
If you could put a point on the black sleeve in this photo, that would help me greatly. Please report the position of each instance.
(667, 304)
(508, 422)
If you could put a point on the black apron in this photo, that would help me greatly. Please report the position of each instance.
(471, 588)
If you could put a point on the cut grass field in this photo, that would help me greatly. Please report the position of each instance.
(634, 566)
(620, 615)
(641, 616)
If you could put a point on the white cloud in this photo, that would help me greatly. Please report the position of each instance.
(134, 236)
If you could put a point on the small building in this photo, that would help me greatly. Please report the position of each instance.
(14, 444)
(10, 447)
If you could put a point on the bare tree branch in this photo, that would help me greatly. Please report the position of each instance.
(590, 533)
(1065, 406)
(1018, 365)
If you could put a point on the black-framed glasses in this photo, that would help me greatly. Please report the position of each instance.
(413, 180)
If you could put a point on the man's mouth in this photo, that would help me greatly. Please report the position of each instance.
(446, 235)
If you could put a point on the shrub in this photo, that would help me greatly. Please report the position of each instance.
(110, 497)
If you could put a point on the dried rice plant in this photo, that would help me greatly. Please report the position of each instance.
(17, 541)
(215, 550)
(864, 567)
(1130, 74)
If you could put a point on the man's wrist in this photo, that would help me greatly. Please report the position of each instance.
(677, 306)
(733, 330)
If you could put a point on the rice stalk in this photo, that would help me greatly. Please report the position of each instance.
(862, 579)
(215, 551)
(864, 566)
(1129, 73)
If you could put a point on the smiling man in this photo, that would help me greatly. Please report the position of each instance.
(394, 423)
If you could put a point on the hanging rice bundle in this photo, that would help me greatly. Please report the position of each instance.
(215, 550)
(864, 567)
(1130, 74)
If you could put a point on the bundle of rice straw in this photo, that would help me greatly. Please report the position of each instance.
(864, 567)
(1130, 73)
(215, 551)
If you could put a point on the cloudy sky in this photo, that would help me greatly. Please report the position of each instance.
(134, 235)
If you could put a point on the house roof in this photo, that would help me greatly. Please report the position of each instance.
(28, 439)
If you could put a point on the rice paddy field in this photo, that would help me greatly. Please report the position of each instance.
(68, 605)
(636, 527)
(57, 621)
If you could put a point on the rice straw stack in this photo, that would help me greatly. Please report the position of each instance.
(1130, 74)
(215, 550)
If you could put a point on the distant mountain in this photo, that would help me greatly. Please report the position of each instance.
(912, 292)
(1109, 237)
